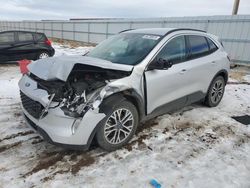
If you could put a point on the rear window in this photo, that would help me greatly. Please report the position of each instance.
(198, 45)
(212, 46)
(40, 37)
(22, 36)
(7, 37)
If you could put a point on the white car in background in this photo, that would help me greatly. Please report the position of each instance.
(129, 78)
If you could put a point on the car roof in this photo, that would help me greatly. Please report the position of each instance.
(21, 31)
(159, 31)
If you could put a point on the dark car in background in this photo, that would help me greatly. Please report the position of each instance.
(18, 45)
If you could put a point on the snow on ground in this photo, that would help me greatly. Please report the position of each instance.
(67, 50)
(193, 147)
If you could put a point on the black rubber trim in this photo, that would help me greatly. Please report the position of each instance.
(176, 105)
(49, 140)
(108, 103)
(145, 94)
(223, 71)
(133, 96)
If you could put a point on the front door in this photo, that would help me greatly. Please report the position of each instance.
(7, 45)
(166, 86)
(26, 46)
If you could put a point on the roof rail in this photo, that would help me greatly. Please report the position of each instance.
(126, 30)
(171, 31)
(180, 29)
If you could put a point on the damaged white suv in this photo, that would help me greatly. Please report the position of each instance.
(129, 78)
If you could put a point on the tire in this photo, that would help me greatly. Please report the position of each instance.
(215, 92)
(111, 135)
(42, 55)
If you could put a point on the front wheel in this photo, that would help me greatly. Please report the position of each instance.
(118, 127)
(215, 92)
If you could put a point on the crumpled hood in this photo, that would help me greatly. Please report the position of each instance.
(60, 67)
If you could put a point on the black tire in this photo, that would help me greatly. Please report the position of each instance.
(103, 141)
(42, 54)
(213, 92)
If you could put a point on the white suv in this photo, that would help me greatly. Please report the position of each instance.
(129, 78)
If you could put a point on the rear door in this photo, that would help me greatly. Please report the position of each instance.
(7, 46)
(40, 43)
(202, 65)
(25, 49)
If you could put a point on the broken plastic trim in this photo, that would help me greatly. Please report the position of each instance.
(92, 102)
(45, 111)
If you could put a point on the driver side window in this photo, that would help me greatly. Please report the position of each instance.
(174, 51)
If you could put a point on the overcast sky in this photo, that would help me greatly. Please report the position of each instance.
(65, 9)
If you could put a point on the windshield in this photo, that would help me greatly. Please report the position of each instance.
(125, 48)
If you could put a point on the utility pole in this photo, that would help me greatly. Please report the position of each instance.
(236, 7)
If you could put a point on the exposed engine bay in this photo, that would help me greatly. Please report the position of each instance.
(76, 95)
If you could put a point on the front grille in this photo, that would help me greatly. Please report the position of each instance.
(34, 108)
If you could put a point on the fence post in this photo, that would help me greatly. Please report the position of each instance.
(52, 30)
(88, 32)
(62, 30)
(107, 29)
(206, 25)
(163, 24)
(74, 31)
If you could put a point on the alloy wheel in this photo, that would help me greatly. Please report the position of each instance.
(217, 91)
(43, 55)
(118, 126)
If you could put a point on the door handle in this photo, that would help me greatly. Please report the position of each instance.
(183, 71)
(213, 62)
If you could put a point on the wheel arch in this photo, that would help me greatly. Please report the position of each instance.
(222, 73)
(41, 51)
(128, 94)
(115, 98)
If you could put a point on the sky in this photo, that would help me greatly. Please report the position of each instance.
(66, 9)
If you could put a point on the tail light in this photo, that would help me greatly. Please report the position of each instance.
(48, 42)
(23, 66)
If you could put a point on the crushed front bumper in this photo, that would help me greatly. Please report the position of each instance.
(55, 126)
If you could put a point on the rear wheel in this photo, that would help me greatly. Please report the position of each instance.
(43, 55)
(118, 127)
(215, 92)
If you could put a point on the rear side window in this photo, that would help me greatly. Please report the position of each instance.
(22, 36)
(212, 46)
(174, 51)
(198, 46)
(7, 37)
(40, 37)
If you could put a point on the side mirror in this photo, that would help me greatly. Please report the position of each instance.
(160, 64)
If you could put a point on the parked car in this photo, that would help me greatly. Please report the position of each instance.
(18, 45)
(127, 79)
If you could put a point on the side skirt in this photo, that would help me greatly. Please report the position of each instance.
(175, 105)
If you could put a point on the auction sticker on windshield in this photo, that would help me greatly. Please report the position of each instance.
(152, 37)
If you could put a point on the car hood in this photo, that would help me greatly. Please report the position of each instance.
(60, 67)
